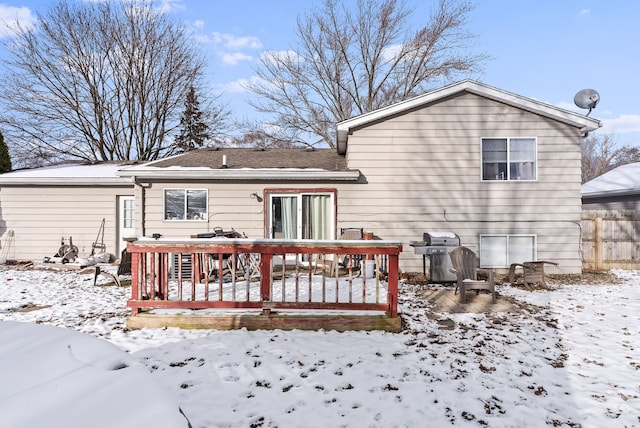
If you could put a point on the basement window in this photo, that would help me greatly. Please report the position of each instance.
(499, 251)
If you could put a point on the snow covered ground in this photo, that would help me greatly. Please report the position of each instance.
(567, 357)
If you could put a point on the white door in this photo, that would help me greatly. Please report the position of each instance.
(126, 221)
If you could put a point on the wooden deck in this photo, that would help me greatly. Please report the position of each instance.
(267, 321)
(264, 284)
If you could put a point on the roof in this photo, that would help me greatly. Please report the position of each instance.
(584, 123)
(72, 173)
(623, 180)
(248, 163)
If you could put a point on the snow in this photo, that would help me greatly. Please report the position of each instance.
(103, 170)
(625, 178)
(567, 357)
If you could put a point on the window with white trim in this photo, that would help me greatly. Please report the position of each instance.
(510, 159)
(185, 204)
(499, 251)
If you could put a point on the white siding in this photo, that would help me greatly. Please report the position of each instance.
(41, 215)
(422, 171)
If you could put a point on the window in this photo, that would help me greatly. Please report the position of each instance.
(510, 159)
(499, 251)
(185, 204)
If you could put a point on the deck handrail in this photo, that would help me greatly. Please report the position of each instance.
(151, 269)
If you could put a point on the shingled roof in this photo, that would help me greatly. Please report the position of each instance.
(293, 164)
(298, 158)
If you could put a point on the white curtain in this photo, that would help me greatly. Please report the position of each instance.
(289, 217)
(317, 216)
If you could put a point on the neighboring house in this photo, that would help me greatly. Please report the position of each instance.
(611, 219)
(500, 170)
(618, 189)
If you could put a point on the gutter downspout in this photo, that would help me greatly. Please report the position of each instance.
(140, 219)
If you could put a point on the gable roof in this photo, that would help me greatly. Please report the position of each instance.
(623, 180)
(584, 123)
(248, 163)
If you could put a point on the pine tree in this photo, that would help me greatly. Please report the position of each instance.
(194, 131)
(5, 159)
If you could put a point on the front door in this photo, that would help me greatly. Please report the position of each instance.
(126, 221)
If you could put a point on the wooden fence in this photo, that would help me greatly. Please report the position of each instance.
(610, 239)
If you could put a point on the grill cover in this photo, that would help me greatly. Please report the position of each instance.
(441, 238)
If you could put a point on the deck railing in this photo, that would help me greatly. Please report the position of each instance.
(221, 273)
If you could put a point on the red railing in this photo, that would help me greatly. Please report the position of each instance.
(220, 273)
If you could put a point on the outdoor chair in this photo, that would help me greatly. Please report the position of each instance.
(464, 265)
(124, 268)
(532, 272)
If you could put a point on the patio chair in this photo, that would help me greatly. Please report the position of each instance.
(532, 272)
(464, 265)
(124, 268)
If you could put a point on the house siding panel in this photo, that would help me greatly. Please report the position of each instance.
(40, 216)
(417, 183)
(230, 206)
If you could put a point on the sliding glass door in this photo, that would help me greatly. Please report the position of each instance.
(301, 216)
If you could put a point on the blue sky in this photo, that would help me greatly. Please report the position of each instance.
(544, 49)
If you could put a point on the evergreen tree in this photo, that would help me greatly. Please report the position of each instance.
(5, 159)
(193, 129)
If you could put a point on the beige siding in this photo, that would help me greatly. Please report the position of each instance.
(41, 216)
(422, 172)
(230, 206)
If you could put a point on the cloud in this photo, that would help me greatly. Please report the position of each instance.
(585, 11)
(199, 24)
(169, 6)
(280, 56)
(12, 18)
(231, 41)
(232, 58)
(623, 124)
(239, 86)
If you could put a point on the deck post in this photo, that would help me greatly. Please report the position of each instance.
(392, 280)
(135, 282)
(265, 277)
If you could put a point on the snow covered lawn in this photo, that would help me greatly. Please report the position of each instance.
(567, 357)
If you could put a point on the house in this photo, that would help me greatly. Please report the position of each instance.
(618, 189)
(499, 170)
(611, 219)
(40, 207)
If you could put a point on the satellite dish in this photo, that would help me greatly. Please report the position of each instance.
(587, 99)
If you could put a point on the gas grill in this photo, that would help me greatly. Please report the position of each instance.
(437, 246)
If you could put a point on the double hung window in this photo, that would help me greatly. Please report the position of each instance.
(511, 159)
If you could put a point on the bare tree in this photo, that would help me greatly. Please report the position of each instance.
(349, 62)
(263, 139)
(601, 154)
(97, 81)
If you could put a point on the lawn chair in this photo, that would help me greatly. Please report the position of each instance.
(124, 268)
(464, 265)
(532, 272)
